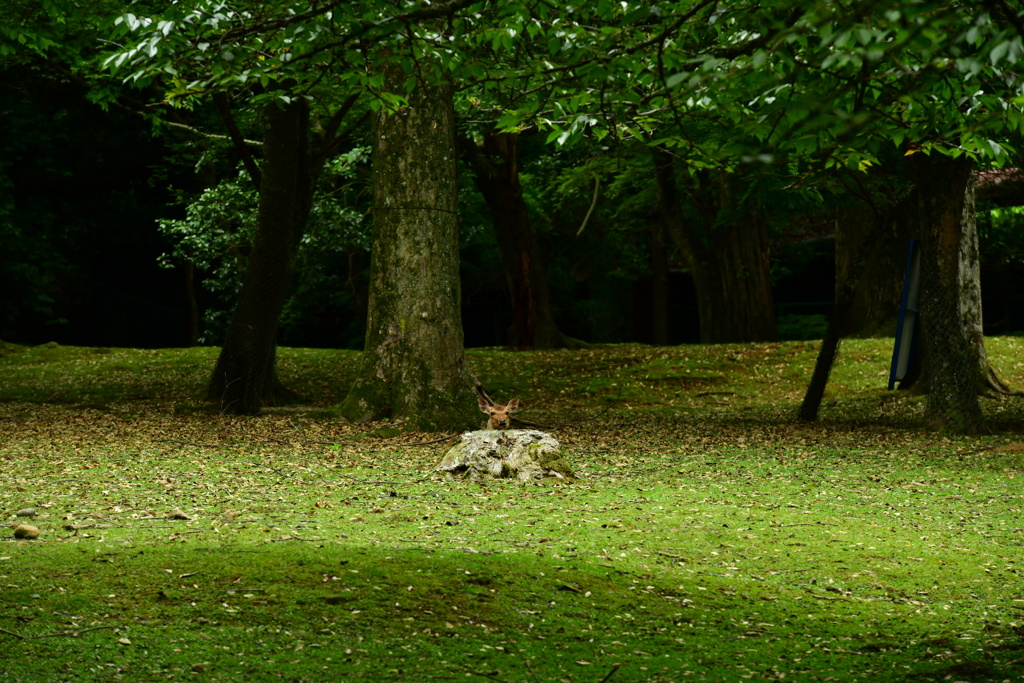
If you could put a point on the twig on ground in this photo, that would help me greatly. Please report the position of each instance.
(427, 443)
(674, 557)
(74, 633)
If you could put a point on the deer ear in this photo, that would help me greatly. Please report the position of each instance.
(513, 405)
(484, 405)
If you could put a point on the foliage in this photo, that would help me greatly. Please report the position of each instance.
(837, 80)
(1001, 235)
(216, 235)
(709, 535)
(48, 28)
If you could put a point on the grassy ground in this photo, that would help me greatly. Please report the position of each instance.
(709, 535)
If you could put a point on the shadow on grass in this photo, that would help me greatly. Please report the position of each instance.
(305, 611)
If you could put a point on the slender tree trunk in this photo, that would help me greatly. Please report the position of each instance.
(496, 174)
(843, 317)
(245, 377)
(413, 367)
(729, 258)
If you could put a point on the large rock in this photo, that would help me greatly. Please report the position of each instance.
(26, 531)
(523, 454)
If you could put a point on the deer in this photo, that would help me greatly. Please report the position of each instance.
(498, 415)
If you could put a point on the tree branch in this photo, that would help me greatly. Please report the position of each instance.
(220, 99)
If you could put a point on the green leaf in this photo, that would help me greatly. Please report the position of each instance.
(999, 52)
(674, 80)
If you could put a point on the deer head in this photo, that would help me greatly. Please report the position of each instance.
(498, 417)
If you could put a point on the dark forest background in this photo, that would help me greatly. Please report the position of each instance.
(82, 261)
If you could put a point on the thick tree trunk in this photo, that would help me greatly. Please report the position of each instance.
(413, 367)
(938, 210)
(496, 174)
(875, 302)
(985, 376)
(729, 257)
(733, 281)
(245, 377)
(880, 287)
(950, 309)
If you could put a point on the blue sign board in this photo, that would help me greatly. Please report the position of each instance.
(906, 329)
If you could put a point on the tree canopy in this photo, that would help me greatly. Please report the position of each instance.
(834, 83)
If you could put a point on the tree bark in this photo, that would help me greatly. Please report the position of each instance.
(245, 377)
(495, 165)
(879, 241)
(413, 367)
(728, 252)
(950, 297)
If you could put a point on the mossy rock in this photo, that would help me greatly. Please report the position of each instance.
(523, 454)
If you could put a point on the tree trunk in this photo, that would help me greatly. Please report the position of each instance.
(844, 313)
(245, 377)
(496, 174)
(733, 280)
(985, 377)
(938, 210)
(413, 367)
(728, 256)
(950, 300)
(875, 303)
